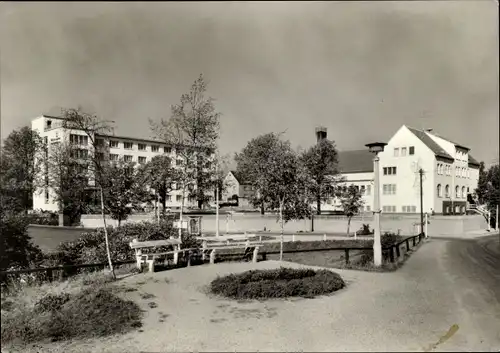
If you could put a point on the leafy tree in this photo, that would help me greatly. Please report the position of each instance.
(67, 177)
(21, 162)
(17, 249)
(351, 202)
(159, 175)
(321, 165)
(482, 184)
(491, 194)
(193, 132)
(284, 182)
(253, 162)
(122, 188)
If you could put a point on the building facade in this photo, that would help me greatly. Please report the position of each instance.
(135, 150)
(236, 186)
(450, 174)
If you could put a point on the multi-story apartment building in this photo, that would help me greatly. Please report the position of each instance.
(450, 173)
(130, 149)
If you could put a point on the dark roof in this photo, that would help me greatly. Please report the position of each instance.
(455, 143)
(429, 142)
(358, 161)
(473, 161)
(239, 177)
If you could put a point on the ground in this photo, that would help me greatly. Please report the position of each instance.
(445, 298)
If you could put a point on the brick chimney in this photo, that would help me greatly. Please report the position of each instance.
(320, 133)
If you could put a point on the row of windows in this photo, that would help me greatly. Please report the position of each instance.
(460, 172)
(389, 189)
(390, 170)
(459, 192)
(140, 146)
(411, 151)
(404, 209)
(78, 140)
(364, 189)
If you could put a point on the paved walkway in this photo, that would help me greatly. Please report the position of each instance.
(431, 304)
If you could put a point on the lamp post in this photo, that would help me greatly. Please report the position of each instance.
(376, 148)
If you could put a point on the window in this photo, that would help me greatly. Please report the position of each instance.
(457, 192)
(368, 208)
(368, 190)
(168, 198)
(389, 189)
(46, 196)
(411, 151)
(389, 170)
(404, 209)
(389, 208)
(128, 145)
(467, 190)
(178, 198)
(414, 209)
(167, 149)
(79, 153)
(113, 157)
(78, 140)
(127, 158)
(447, 191)
(142, 147)
(113, 144)
(142, 160)
(403, 151)
(154, 148)
(179, 161)
(100, 156)
(439, 191)
(396, 152)
(99, 142)
(363, 190)
(463, 192)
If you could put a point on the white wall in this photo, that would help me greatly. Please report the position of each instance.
(232, 186)
(407, 177)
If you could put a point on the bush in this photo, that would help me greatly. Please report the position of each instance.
(387, 239)
(66, 310)
(18, 250)
(42, 217)
(91, 247)
(279, 283)
(365, 230)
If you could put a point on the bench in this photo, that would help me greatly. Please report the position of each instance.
(212, 245)
(151, 258)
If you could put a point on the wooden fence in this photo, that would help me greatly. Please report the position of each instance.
(394, 252)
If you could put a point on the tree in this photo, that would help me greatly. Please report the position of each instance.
(67, 177)
(321, 165)
(159, 175)
(21, 162)
(351, 202)
(193, 132)
(122, 188)
(491, 195)
(253, 163)
(92, 125)
(283, 181)
(482, 184)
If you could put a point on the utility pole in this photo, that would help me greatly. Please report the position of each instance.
(421, 172)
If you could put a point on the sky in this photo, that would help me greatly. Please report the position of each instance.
(361, 69)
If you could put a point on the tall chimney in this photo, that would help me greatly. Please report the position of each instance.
(320, 133)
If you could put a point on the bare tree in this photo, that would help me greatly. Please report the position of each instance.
(193, 132)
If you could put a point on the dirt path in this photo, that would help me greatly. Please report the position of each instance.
(414, 309)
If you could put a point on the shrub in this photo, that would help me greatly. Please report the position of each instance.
(365, 230)
(91, 247)
(18, 250)
(387, 239)
(70, 309)
(279, 283)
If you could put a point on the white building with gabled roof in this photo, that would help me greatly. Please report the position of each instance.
(450, 174)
